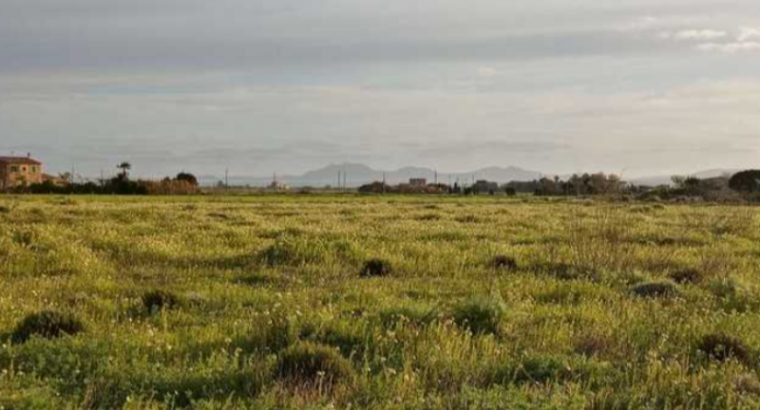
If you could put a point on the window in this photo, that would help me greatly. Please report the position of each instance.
(34, 170)
(14, 168)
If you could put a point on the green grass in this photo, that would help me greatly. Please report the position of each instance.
(264, 300)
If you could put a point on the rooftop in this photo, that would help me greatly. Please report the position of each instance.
(19, 160)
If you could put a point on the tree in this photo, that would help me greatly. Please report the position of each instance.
(745, 181)
(187, 177)
(124, 167)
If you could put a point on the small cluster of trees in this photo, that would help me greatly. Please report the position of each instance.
(121, 184)
(585, 184)
(383, 188)
(744, 185)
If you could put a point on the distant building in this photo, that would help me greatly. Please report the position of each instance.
(19, 171)
(418, 182)
(277, 185)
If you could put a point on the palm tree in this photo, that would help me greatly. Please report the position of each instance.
(124, 167)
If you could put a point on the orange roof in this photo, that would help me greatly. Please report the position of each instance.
(19, 160)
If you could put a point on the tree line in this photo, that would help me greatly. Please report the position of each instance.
(120, 184)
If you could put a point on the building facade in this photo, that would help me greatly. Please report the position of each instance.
(418, 182)
(19, 171)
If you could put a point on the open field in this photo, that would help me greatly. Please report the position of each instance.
(609, 305)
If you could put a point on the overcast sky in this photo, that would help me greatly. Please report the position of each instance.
(641, 87)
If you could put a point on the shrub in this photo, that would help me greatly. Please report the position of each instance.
(479, 315)
(157, 300)
(721, 348)
(376, 267)
(46, 324)
(655, 290)
(312, 365)
(504, 262)
(685, 276)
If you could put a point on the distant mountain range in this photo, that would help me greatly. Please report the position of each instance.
(360, 174)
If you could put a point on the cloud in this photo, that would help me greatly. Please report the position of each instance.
(730, 47)
(747, 33)
(688, 35)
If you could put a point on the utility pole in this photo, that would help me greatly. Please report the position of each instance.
(383, 182)
(338, 186)
(227, 178)
(345, 174)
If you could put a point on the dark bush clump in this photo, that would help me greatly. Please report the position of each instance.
(313, 365)
(504, 262)
(479, 315)
(157, 300)
(722, 348)
(655, 290)
(592, 345)
(48, 325)
(376, 267)
(685, 276)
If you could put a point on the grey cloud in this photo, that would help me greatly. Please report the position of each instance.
(87, 34)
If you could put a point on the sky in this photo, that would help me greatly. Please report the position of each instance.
(634, 87)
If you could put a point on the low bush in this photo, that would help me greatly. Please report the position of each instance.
(313, 365)
(686, 276)
(376, 267)
(157, 300)
(503, 262)
(720, 347)
(655, 290)
(48, 325)
(479, 315)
